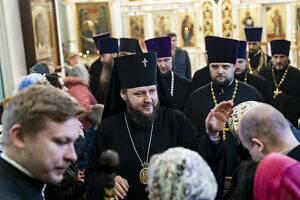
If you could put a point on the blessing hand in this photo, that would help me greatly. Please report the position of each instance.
(217, 118)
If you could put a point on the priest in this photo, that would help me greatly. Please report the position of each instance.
(257, 59)
(202, 76)
(242, 74)
(40, 127)
(129, 46)
(139, 121)
(284, 81)
(179, 87)
(101, 73)
(223, 87)
(96, 67)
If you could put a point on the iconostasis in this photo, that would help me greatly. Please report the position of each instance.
(191, 20)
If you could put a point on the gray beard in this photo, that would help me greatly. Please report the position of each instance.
(279, 67)
(105, 76)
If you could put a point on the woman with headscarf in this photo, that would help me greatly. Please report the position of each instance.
(78, 85)
(277, 177)
(180, 174)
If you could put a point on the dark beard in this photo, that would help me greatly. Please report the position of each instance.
(139, 117)
(223, 84)
(241, 76)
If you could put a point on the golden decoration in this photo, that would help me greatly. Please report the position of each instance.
(216, 103)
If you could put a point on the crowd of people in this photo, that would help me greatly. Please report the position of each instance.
(228, 132)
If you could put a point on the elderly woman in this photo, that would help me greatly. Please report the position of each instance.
(78, 85)
(31, 79)
(180, 174)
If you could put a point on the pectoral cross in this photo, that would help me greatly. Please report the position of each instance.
(277, 92)
(224, 132)
(145, 62)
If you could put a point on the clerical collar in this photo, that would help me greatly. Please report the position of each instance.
(21, 169)
(16, 165)
(258, 52)
(254, 54)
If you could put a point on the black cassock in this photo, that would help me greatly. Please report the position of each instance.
(201, 77)
(171, 129)
(260, 84)
(182, 89)
(95, 73)
(255, 58)
(15, 185)
(287, 103)
(199, 105)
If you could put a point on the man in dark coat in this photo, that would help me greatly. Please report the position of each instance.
(242, 74)
(100, 70)
(40, 126)
(223, 87)
(263, 129)
(284, 81)
(180, 59)
(179, 87)
(257, 59)
(202, 76)
(138, 122)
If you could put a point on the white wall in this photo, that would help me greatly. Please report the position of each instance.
(12, 55)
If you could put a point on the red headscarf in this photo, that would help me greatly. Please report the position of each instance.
(277, 177)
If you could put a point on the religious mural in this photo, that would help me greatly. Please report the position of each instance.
(93, 18)
(44, 30)
(275, 22)
(137, 31)
(248, 18)
(227, 19)
(207, 14)
(187, 29)
(161, 24)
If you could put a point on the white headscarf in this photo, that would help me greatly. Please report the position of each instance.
(180, 174)
(81, 72)
(239, 110)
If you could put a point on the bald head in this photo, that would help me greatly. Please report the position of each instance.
(264, 122)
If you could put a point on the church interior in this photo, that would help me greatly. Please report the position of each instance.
(35, 30)
(150, 99)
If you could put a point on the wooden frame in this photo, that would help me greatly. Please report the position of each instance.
(39, 29)
(93, 18)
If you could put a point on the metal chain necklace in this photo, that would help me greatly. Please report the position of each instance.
(172, 83)
(216, 103)
(277, 91)
(262, 60)
(143, 173)
(245, 80)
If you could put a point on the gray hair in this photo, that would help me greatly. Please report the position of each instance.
(81, 72)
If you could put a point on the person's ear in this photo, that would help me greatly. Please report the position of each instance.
(259, 143)
(17, 136)
(123, 95)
